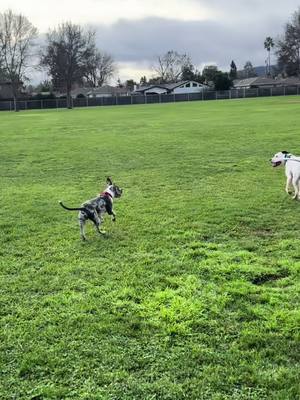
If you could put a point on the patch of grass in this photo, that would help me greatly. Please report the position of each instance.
(194, 291)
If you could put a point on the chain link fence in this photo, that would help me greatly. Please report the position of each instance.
(150, 99)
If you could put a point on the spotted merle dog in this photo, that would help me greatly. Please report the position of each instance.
(94, 209)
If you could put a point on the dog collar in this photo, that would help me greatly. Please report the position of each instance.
(106, 194)
(286, 158)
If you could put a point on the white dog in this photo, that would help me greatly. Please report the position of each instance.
(292, 170)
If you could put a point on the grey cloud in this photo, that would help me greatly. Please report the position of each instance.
(143, 40)
(247, 10)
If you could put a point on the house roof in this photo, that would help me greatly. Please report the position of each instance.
(256, 81)
(147, 87)
(290, 81)
(265, 81)
(77, 91)
(107, 89)
(168, 86)
(86, 91)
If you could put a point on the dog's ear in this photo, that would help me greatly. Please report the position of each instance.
(109, 181)
(285, 152)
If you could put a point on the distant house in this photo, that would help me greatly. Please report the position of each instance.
(103, 91)
(108, 91)
(172, 88)
(79, 92)
(253, 83)
(291, 81)
(265, 82)
(6, 90)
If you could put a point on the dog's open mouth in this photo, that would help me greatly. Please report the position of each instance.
(276, 163)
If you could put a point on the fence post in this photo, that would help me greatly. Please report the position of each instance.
(244, 92)
(174, 99)
(202, 94)
(229, 94)
(284, 90)
(159, 96)
(41, 104)
(271, 92)
(117, 103)
(216, 95)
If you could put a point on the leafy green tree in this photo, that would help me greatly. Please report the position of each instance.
(187, 73)
(288, 48)
(120, 84)
(198, 77)
(222, 81)
(143, 81)
(249, 71)
(209, 73)
(156, 80)
(269, 44)
(130, 84)
(233, 71)
(45, 86)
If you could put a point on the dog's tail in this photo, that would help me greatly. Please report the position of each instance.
(72, 209)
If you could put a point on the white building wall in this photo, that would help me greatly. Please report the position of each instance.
(190, 89)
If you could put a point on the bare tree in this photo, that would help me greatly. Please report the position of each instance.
(17, 36)
(66, 54)
(100, 67)
(169, 66)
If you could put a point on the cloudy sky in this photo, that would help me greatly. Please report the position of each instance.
(135, 32)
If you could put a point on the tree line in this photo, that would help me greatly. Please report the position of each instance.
(70, 56)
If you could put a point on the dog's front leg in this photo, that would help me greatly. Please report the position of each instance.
(110, 211)
(113, 216)
(288, 183)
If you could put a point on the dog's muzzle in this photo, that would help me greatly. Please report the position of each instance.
(119, 192)
(275, 163)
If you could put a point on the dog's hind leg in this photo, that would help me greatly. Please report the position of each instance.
(82, 221)
(97, 222)
(298, 196)
(295, 183)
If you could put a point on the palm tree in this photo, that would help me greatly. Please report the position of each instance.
(269, 43)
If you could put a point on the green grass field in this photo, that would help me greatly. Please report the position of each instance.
(194, 291)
